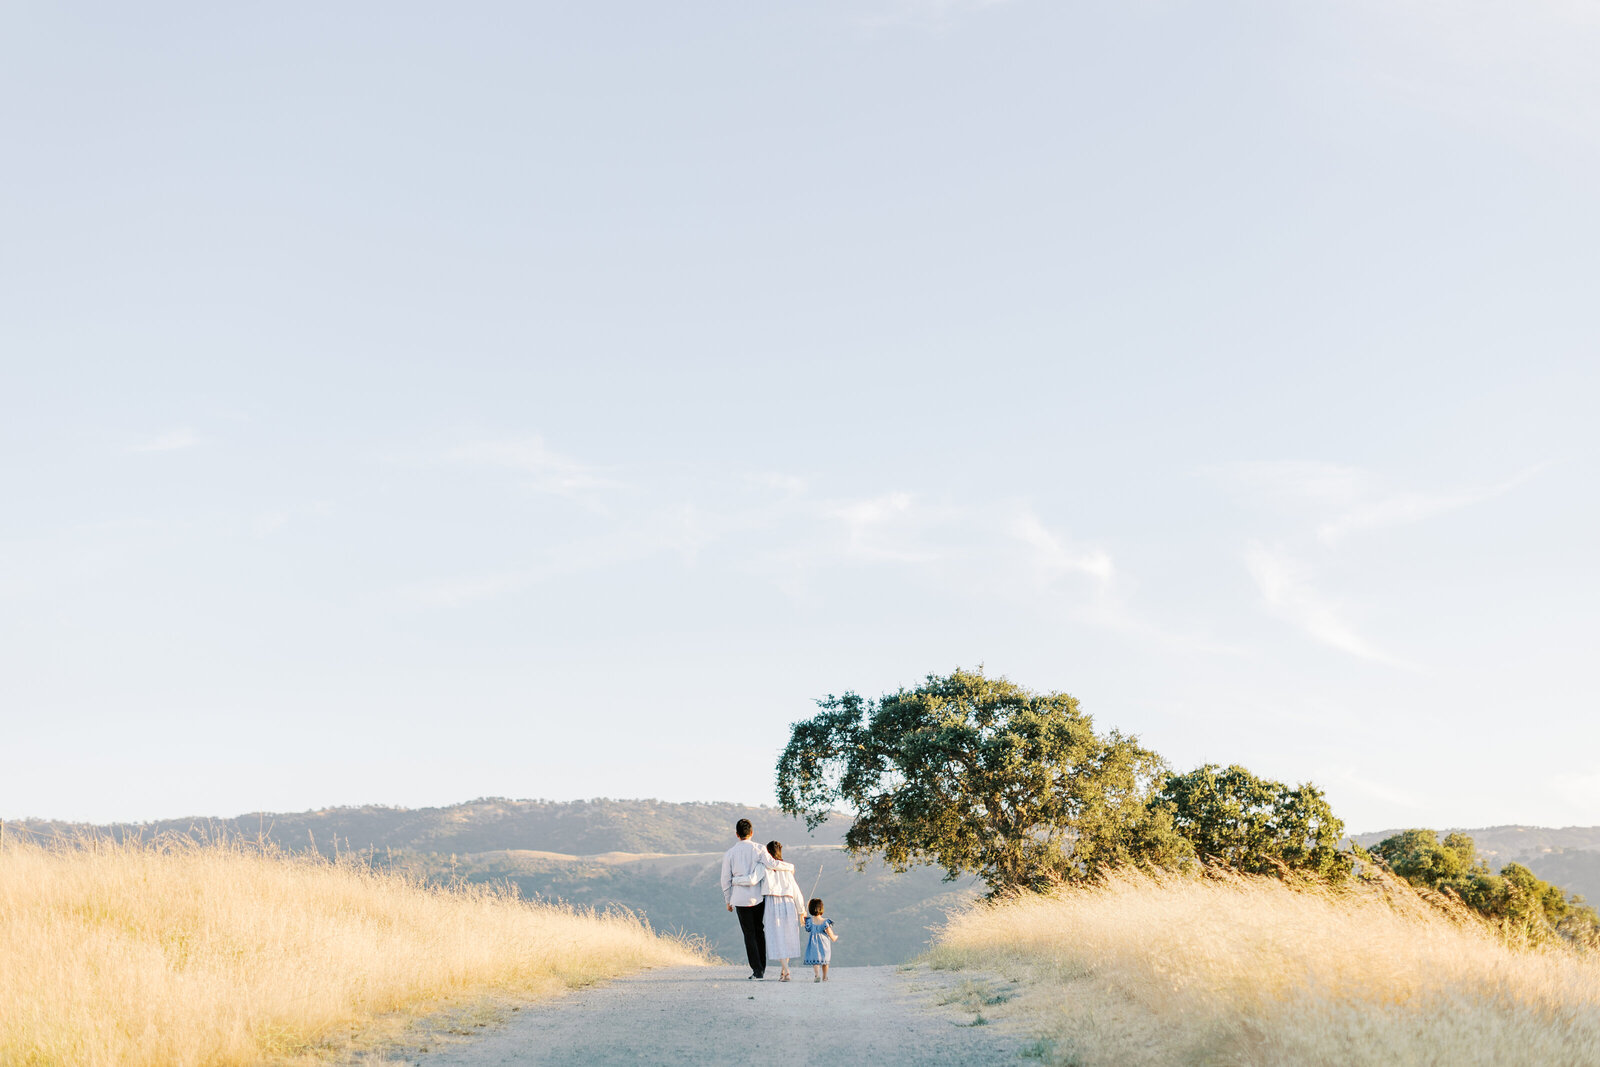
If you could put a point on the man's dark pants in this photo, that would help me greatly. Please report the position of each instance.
(755, 938)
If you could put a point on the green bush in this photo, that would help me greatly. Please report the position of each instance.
(1255, 825)
(1515, 899)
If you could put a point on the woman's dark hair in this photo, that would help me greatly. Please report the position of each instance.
(775, 849)
(815, 907)
(743, 828)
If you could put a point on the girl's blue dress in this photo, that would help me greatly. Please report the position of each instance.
(818, 948)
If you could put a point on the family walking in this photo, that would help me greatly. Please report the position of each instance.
(760, 887)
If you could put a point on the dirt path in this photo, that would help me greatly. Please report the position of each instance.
(702, 1015)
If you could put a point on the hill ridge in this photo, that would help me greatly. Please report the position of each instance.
(573, 827)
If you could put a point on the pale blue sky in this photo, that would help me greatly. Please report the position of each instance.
(407, 403)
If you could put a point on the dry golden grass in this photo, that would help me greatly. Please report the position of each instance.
(1180, 970)
(130, 955)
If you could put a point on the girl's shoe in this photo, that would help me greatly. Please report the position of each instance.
(783, 978)
(816, 978)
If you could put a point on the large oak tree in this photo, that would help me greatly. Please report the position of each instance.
(979, 776)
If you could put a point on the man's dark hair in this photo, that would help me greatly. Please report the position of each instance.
(815, 907)
(775, 849)
(743, 828)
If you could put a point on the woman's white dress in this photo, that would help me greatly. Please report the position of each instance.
(781, 917)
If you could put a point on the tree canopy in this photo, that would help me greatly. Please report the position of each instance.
(1420, 858)
(1255, 825)
(980, 776)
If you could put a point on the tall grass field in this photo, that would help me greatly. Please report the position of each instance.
(131, 955)
(1147, 970)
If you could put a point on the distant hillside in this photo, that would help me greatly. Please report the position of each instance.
(1568, 857)
(581, 827)
(662, 859)
(882, 917)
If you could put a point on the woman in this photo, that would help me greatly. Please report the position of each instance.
(781, 916)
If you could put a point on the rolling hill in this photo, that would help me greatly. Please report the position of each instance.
(662, 859)
(580, 827)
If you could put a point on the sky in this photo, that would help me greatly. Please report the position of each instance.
(403, 404)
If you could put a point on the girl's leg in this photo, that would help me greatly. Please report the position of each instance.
(824, 972)
(783, 968)
(816, 972)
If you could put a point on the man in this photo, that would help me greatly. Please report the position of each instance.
(742, 872)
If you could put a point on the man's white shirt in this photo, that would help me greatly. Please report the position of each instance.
(742, 866)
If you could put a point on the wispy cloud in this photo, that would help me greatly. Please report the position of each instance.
(1055, 557)
(167, 441)
(1318, 508)
(886, 528)
(779, 529)
(1341, 500)
(773, 527)
(1378, 511)
(1288, 594)
(1083, 584)
(546, 470)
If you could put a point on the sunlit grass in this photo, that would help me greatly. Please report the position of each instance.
(1178, 970)
(128, 955)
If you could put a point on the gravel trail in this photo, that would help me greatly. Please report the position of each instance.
(704, 1015)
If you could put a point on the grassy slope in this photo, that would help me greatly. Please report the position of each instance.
(125, 955)
(1144, 971)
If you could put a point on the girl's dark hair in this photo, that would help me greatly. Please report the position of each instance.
(775, 849)
(815, 907)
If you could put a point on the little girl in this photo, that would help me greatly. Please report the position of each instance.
(818, 948)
